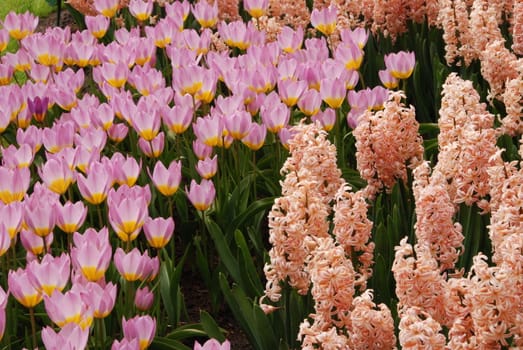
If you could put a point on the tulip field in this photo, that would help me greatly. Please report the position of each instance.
(326, 174)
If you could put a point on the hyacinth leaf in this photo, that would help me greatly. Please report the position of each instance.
(250, 316)
(475, 235)
(163, 343)
(511, 150)
(211, 327)
(250, 278)
(382, 274)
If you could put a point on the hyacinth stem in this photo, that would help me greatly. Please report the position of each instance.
(33, 327)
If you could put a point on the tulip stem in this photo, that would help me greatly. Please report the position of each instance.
(100, 217)
(33, 326)
(99, 330)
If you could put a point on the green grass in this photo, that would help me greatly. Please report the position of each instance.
(37, 7)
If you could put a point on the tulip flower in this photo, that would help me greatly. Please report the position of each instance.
(108, 8)
(91, 254)
(212, 344)
(126, 344)
(201, 150)
(31, 136)
(50, 273)
(178, 118)
(389, 81)
(290, 40)
(97, 25)
(256, 8)
(6, 73)
(255, 138)
(58, 137)
(327, 118)
(310, 102)
(201, 195)
(100, 298)
(33, 244)
(68, 307)
(21, 288)
(21, 157)
(275, 116)
(140, 9)
(350, 55)
(358, 36)
(205, 13)
(38, 107)
(71, 336)
(40, 218)
(11, 216)
(143, 299)
(5, 240)
(400, 64)
(20, 26)
(125, 169)
(142, 328)
(209, 130)
(132, 266)
(154, 147)
(324, 20)
(117, 132)
(56, 175)
(14, 184)
(158, 231)
(207, 167)
(333, 91)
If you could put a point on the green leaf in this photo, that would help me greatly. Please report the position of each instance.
(227, 257)
(162, 343)
(254, 208)
(250, 279)
(211, 327)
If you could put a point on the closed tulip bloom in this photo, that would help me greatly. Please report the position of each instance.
(142, 328)
(115, 74)
(20, 25)
(178, 118)
(125, 169)
(70, 216)
(290, 40)
(117, 132)
(310, 102)
(95, 186)
(21, 157)
(5, 240)
(167, 180)
(92, 253)
(14, 184)
(126, 344)
(389, 81)
(140, 9)
(38, 107)
(201, 195)
(256, 8)
(6, 74)
(205, 13)
(33, 244)
(56, 175)
(207, 167)
(158, 231)
(400, 64)
(100, 298)
(11, 216)
(154, 147)
(143, 299)
(71, 336)
(146, 120)
(127, 217)
(333, 91)
(327, 118)
(21, 288)
(350, 55)
(108, 8)
(68, 307)
(50, 274)
(291, 90)
(40, 218)
(275, 116)
(212, 344)
(97, 25)
(132, 266)
(324, 20)
(359, 36)
(209, 130)
(201, 150)
(255, 138)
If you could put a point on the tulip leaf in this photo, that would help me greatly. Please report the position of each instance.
(211, 327)
(163, 343)
(226, 256)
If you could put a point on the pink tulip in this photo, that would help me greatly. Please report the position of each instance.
(381, 95)
(68, 307)
(359, 36)
(143, 299)
(142, 328)
(108, 8)
(20, 26)
(33, 244)
(287, 68)
(209, 130)
(207, 167)
(154, 147)
(389, 81)
(146, 120)
(164, 31)
(201, 150)
(255, 138)
(100, 298)
(324, 20)
(117, 132)
(290, 40)
(70, 216)
(58, 137)
(198, 42)
(235, 34)
(158, 231)
(178, 9)
(40, 217)
(31, 136)
(400, 64)
(126, 344)
(40, 73)
(17, 157)
(178, 118)
(275, 116)
(256, 8)
(70, 337)
(11, 216)
(140, 9)
(97, 25)
(362, 99)
(132, 266)
(201, 195)
(285, 135)
(291, 90)
(21, 288)
(327, 118)
(167, 180)
(91, 254)
(212, 344)
(310, 74)
(127, 214)
(205, 13)
(148, 81)
(350, 55)
(125, 169)
(45, 49)
(115, 74)
(4, 39)
(56, 175)
(14, 184)
(50, 273)
(333, 91)
(6, 73)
